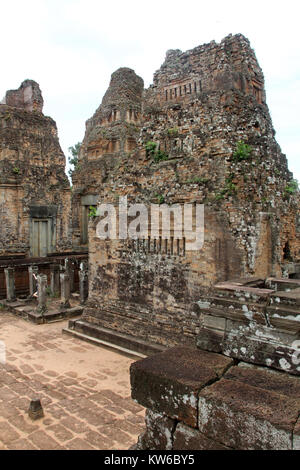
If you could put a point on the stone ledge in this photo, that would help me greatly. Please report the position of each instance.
(198, 400)
(28, 312)
(170, 382)
(251, 408)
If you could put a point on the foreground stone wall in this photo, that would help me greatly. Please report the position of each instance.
(33, 185)
(198, 400)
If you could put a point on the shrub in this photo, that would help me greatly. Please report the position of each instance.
(242, 151)
(292, 187)
(156, 154)
(93, 211)
(160, 198)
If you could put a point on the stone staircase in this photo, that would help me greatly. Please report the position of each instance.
(253, 320)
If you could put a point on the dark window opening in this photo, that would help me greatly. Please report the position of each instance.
(287, 252)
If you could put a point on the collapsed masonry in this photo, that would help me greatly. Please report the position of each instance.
(202, 133)
(35, 196)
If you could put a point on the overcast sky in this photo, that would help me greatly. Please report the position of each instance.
(71, 48)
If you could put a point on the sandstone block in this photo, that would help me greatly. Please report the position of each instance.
(251, 409)
(170, 382)
(186, 438)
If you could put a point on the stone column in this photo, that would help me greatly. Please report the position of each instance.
(42, 295)
(69, 268)
(65, 290)
(55, 285)
(32, 271)
(10, 284)
(84, 266)
(83, 286)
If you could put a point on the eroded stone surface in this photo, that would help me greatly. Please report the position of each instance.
(158, 434)
(255, 411)
(170, 382)
(186, 438)
(33, 183)
(27, 97)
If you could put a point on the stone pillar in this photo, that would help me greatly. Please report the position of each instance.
(69, 269)
(83, 286)
(10, 284)
(33, 273)
(65, 290)
(84, 266)
(42, 295)
(55, 285)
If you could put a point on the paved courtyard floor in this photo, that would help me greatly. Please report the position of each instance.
(84, 390)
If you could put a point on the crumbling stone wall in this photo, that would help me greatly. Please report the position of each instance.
(33, 183)
(27, 97)
(214, 144)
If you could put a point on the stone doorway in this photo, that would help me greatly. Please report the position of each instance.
(40, 240)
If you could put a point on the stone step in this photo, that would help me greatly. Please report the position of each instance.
(121, 340)
(233, 290)
(286, 298)
(234, 309)
(100, 342)
(284, 318)
(282, 284)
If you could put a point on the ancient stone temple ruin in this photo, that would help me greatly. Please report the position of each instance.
(201, 134)
(111, 135)
(35, 196)
(219, 319)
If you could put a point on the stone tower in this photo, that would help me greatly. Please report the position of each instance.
(111, 135)
(204, 136)
(35, 197)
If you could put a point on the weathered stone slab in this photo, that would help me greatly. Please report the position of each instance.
(290, 298)
(250, 291)
(186, 438)
(170, 382)
(251, 409)
(249, 282)
(267, 379)
(158, 434)
(210, 340)
(282, 284)
(262, 345)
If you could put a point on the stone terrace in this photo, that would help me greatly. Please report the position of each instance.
(84, 390)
